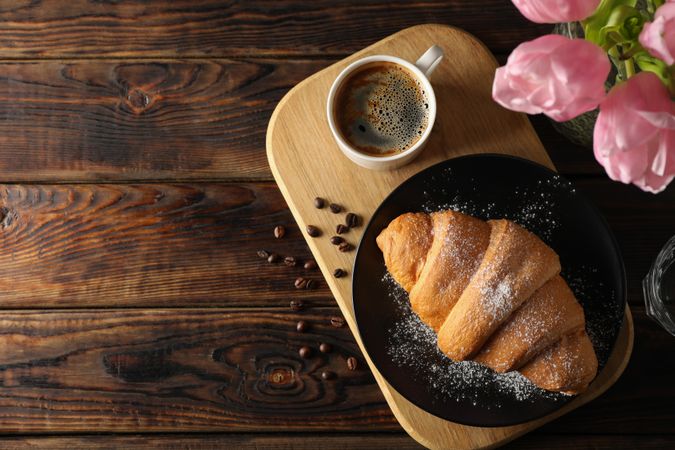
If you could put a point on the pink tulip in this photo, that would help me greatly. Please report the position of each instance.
(555, 11)
(658, 37)
(634, 136)
(554, 75)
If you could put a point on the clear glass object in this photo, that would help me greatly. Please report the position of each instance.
(659, 288)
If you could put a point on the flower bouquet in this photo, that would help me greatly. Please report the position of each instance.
(562, 77)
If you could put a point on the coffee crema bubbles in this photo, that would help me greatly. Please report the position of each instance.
(381, 109)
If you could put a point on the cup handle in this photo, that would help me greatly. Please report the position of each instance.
(429, 60)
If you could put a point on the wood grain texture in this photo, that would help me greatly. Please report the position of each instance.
(163, 370)
(96, 120)
(142, 120)
(249, 441)
(324, 441)
(153, 370)
(467, 113)
(196, 244)
(152, 244)
(223, 28)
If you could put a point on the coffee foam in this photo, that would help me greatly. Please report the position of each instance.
(382, 109)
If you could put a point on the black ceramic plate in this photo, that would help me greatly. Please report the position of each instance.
(486, 186)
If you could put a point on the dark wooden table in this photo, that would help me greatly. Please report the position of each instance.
(136, 193)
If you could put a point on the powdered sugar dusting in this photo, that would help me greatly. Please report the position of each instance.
(496, 300)
(603, 314)
(531, 206)
(413, 346)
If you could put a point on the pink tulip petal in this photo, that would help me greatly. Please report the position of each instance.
(634, 136)
(555, 11)
(658, 37)
(554, 75)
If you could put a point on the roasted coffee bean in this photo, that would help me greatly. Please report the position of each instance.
(310, 265)
(339, 273)
(352, 363)
(313, 231)
(325, 347)
(311, 284)
(337, 322)
(341, 228)
(279, 231)
(319, 203)
(327, 375)
(336, 240)
(335, 208)
(273, 258)
(300, 283)
(263, 254)
(290, 261)
(352, 220)
(302, 326)
(305, 352)
(297, 305)
(345, 247)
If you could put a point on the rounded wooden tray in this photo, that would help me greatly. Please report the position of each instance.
(306, 163)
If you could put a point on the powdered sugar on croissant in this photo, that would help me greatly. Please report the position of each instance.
(492, 292)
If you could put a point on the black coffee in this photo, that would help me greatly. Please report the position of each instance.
(381, 109)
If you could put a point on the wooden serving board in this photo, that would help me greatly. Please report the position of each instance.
(306, 163)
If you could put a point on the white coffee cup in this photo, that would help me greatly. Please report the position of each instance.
(422, 69)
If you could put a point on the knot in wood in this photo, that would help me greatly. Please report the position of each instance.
(138, 100)
(281, 376)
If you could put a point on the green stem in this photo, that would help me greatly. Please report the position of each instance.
(630, 67)
(616, 59)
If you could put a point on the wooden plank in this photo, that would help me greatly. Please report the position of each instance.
(142, 120)
(210, 369)
(96, 120)
(219, 28)
(152, 244)
(323, 441)
(226, 369)
(84, 245)
(538, 441)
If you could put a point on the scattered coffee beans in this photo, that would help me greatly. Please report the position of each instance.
(305, 352)
(325, 347)
(339, 273)
(310, 265)
(279, 231)
(313, 231)
(319, 203)
(341, 228)
(297, 305)
(352, 363)
(302, 326)
(300, 283)
(345, 247)
(327, 375)
(311, 284)
(273, 258)
(336, 240)
(352, 220)
(335, 208)
(263, 254)
(290, 261)
(337, 322)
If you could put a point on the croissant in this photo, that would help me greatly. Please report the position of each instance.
(493, 293)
